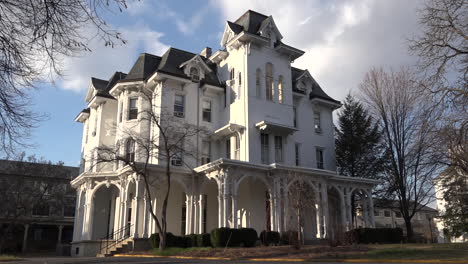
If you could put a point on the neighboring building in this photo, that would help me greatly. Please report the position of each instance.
(268, 124)
(387, 214)
(442, 237)
(37, 206)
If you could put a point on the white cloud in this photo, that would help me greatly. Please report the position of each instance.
(342, 39)
(103, 61)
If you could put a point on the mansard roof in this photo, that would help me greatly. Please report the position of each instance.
(102, 87)
(145, 65)
(317, 91)
(251, 21)
(169, 63)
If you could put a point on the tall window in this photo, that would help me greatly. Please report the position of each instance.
(278, 149)
(206, 109)
(258, 75)
(317, 125)
(132, 108)
(232, 74)
(280, 89)
(120, 111)
(228, 148)
(269, 82)
(130, 150)
(297, 153)
(319, 157)
(183, 220)
(240, 78)
(194, 74)
(177, 156)
(206, 152)
(237, 147)
(179, 105)
(295, 116)
(265, 148)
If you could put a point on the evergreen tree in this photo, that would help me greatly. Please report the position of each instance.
(358, 148)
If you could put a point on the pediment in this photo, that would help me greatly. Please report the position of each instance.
(91, 92)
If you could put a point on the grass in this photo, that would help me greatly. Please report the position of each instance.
(8, 258)
(324, 252)
(420, 251)
(174, 251)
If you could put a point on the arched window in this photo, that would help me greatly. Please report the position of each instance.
(194, 74)
(130, 150)
(269, 88)
(258, 75)
(280, 89)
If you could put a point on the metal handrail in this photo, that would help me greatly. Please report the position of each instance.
(117, 237)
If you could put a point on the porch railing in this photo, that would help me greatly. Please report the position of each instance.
(112, 239)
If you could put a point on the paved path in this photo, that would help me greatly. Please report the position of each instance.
(91, 260)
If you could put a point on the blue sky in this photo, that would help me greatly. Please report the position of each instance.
(342, 40)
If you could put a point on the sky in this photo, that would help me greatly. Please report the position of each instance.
(343, 39)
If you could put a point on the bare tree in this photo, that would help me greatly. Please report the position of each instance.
(408, 118)
(442, 47)
(34, 37)
(167, 140)
(301, 199)
(30, 186)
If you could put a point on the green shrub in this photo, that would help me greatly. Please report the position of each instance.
(221, 236)
(269, 238)
(374, 235)
(204, 240)
(192, 240)
(171, 240)
(236, 237)
(248, 237)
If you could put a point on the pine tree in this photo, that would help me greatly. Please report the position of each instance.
(358, 144)
(358, 148)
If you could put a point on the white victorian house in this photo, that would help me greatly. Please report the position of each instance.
(269, 124)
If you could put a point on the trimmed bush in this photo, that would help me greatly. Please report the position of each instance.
(374, 235)
(171, 240)
(192, 240)
(269, 238)
(204, 240)
(221, 236)
(248, 236)
(154, 240)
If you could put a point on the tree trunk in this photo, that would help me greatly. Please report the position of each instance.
(409, 230)
(162, 240)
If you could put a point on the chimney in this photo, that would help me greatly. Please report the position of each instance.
(206, 52)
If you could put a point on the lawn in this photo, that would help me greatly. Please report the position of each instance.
(456, 251)
(8, 258)
(386, 251)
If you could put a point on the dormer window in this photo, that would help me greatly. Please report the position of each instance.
(194, 74)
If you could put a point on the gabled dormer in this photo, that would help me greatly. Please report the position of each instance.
(269, 30)
(303, 84)
(195, 68)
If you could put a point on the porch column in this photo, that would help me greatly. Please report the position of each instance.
(136, 212)
(195, 214)
(200, 215)
(226, 203)
(343, 210)
(187, 213)
(77, 216)
(25, 238)
(89, 216)
(234, 211)
(365, 213)
(349, 214)
(318, 214)
(286, 206)
(59, 237)
(325, 211)
(371, 208)
(272, 210)
(145, 217)
(220, 206)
